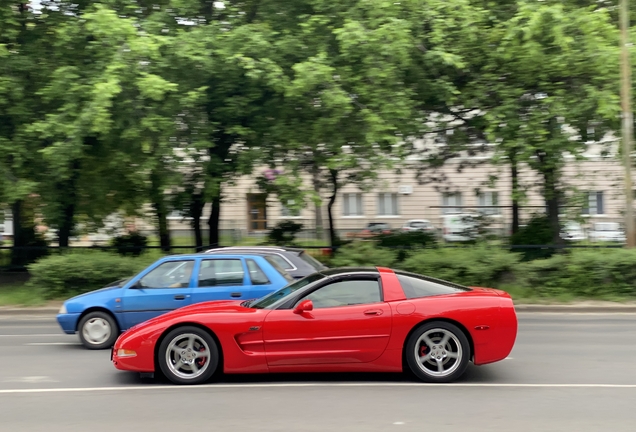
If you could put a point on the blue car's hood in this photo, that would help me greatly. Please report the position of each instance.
(95, 292)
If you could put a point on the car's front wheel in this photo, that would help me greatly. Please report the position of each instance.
(188, 355)
(438, 352)
(98, 330)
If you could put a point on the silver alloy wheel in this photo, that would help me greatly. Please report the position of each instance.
(96, 331)
(438, 352)
(187, 356)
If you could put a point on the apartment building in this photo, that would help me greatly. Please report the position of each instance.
(396, 198)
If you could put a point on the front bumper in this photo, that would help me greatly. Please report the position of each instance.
(68, 322)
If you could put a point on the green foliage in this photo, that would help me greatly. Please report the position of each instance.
(132, 244)
(473, 266)
(583, 273)
(284, 233)
(405, 242)
(61, 276)
(536, 232)
(363, 254)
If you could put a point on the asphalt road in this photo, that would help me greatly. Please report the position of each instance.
(566, 373)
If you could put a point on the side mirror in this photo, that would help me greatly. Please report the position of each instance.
(304, 306)
(136, 285)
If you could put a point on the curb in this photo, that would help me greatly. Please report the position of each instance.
(565, 308)
(18, 311)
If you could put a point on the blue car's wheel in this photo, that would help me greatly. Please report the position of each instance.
(188, 355)
(98, 330)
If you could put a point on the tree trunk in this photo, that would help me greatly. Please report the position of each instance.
(333, 174)
(514, 174)
(318, 206)
(196, 211)
(161, 211)
(69, 200)
(552, 203)
(213, 221)
(17, 253)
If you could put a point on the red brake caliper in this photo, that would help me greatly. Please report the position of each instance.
(202, 360)
(423, 350)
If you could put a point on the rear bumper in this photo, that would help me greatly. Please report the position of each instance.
(68, 322)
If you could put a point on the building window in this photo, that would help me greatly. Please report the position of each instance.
(352, 204)
(594, 204)
(488, 199)
(388, 204)
(452, 202)
(289, 212)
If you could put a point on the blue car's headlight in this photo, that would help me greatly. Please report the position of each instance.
(63, 309)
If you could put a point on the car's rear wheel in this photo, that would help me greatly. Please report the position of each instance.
(188, 355)
(438, 352)
(98, 330)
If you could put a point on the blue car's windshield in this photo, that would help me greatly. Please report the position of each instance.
(275, 296)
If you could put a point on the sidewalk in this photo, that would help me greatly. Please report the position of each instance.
(52, 308)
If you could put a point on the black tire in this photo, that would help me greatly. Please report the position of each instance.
(177, 337)
(94, 343)
(428, 371)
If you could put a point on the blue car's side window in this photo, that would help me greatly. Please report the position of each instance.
(221, 272)
(257, 275)
(170, 274)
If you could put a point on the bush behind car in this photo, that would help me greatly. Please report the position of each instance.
(69, 274)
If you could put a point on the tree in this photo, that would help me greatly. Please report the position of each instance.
(551, 76)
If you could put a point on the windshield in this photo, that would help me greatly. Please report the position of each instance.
(274, 297)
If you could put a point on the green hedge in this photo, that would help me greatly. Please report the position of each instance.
(476, 266)
(596, 273)
(363, 254)
(593, 273)
(62, 276)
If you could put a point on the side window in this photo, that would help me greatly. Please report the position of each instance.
(257, 275)
(415, 286)
(282, 262)
(345, 293)
(171, 274)
(221, 272)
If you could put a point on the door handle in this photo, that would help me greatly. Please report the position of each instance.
(180, 297)
(236, 294)
(373, 312)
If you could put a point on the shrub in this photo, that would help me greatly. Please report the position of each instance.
(132, 244)
(404, 242)
(363, 254)
(284, 233)
(583, 273)
(62, 276)
(475, 265)
(537, 232)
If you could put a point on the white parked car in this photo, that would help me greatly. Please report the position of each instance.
(573, 231)
(607, 231)
(418, 225)
(460, 227)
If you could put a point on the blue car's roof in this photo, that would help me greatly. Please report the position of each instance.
(208, 256)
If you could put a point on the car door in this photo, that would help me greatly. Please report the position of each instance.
(221, 279)
(163, 288)
(349, 324)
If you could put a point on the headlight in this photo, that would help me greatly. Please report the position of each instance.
(126, 353)
(63, 309)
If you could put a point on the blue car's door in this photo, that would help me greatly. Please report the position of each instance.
(165, 287)
(221, 279)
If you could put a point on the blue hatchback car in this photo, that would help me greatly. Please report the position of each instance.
(170, 283)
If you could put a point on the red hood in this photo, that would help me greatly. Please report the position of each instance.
(212, 306)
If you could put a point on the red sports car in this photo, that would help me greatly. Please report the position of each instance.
(337, 320)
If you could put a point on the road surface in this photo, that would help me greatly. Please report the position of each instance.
(570, 372)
